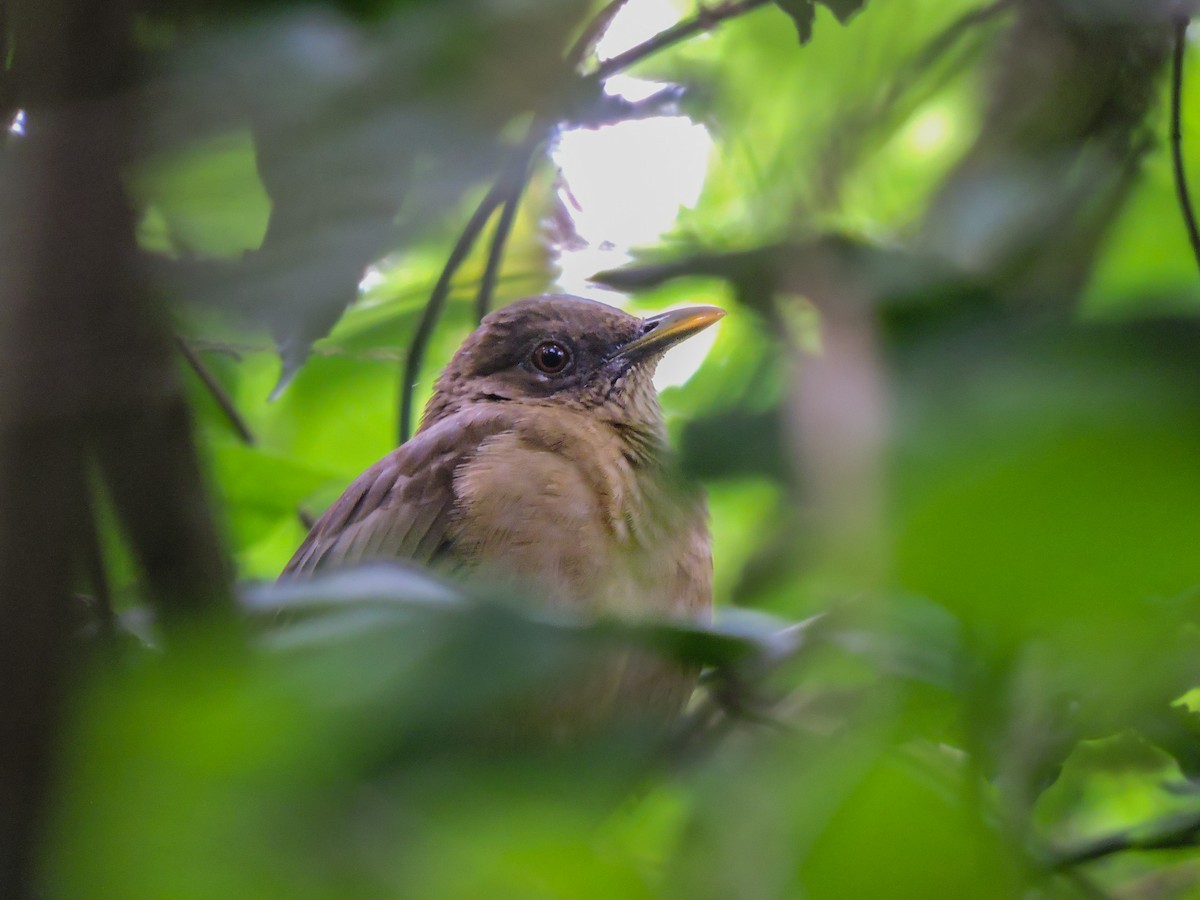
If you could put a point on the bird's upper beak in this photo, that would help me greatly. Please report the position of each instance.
(667, 329)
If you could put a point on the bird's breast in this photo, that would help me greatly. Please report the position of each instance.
(569, 514)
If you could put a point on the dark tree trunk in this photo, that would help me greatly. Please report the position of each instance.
(86, 381)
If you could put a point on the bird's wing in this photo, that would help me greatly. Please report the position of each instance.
(401, 507)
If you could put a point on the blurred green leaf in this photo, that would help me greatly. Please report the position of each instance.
(1003, 655)
(207, 199)
(921, 833)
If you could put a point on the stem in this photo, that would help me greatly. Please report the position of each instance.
(509, 184)
(487, 286)
(705, 20)
(217, 391)
(1181, 186)
(437, 302)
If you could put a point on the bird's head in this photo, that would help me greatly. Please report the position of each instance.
(558, 350)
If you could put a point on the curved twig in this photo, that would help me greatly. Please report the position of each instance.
(437, 302)
(1181, 186)
(512, 183)
(703, 21)
(509, 185)
(223, 400)
(487, 285)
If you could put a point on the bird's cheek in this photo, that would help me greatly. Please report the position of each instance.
(503, 387)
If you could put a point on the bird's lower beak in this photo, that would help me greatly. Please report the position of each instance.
(665, 330)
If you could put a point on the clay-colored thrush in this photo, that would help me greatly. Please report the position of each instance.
(541, 463)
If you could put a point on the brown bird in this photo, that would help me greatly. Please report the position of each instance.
(542, 464)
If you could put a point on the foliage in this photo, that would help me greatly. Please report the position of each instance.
(949, 426)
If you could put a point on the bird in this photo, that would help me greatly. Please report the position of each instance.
(542, 464)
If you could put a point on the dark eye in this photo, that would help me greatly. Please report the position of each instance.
(551, 357)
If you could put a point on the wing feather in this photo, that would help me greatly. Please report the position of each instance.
(403, 506)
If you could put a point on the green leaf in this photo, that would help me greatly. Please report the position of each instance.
(909, 829)
(845, 10)
(801, 12)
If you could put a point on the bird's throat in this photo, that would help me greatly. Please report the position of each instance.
(642, 446)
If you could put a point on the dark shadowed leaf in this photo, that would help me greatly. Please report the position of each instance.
(801, 12)
(845, 10)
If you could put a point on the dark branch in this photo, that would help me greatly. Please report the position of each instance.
(1167, 834)
(735, 692)
(592, 32)
(705, 20)
(610, 109)
(1181, 186)
(437, 302)
(218, 392)
(86, 378)
(510, 182)
(487, 285)
(512, 185)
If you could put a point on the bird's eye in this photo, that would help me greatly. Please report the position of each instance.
(551, 357)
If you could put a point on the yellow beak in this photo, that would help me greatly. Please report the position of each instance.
(661, 332)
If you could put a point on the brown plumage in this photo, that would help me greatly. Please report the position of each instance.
(541, 464)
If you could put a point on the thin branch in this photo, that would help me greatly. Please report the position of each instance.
(1181, 186)
(612, 109)
(511, 184)
(437, 302)
(217, 391)
(592, 32)
(705, 20)
(1167, 834)
(487, 285)
(735, 694)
